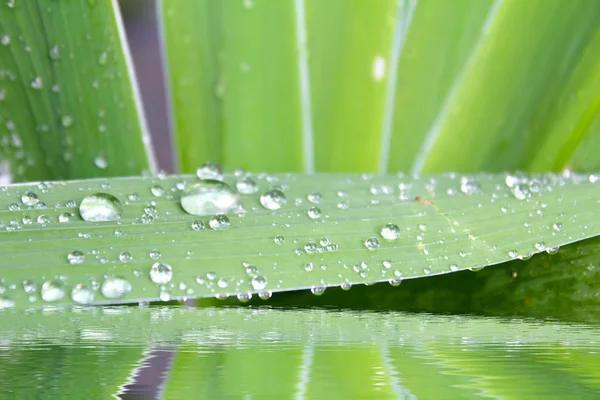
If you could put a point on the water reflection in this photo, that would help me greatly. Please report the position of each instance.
(186, 353)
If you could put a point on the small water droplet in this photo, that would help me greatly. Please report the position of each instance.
(310, 247)
(5, 40)
(265, 295)
(558, 226)
(346, 286)
(244, 297)
(279, 239)
(210, 170)
(52, 291)
(395, 282)
(100, 162)
(390, 232)
(469, 187)
(75, 257)
(157, 190)
(520, 191)
(273, 199)
(6, 302)
(65, 217)
(37, 83)
(314, 213)
(209, 197)
(115, 287)
(308, 267)
(125, 257)
(82, 294)
(219, 222)
(541, 246)
(513, 253)
(29, 199)
(29, 286)
(197, 225)
(43, 219)
(453, 267)
(314, 197)
(259, 282)
(318, 290)
(372, 243)
(246, 186)
(147, 219)
(552, 250)
(222, 283)
(103, 58)
(100, 207)
(161, 273)
(155, 254)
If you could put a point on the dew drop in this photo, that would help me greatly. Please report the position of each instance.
(222, 283)
(453, 267)
(157, 191)
(346, 286)
(100, 162)
(318, 290)
(513, 253)
(552, 250)
(541, 246)
(29, 199)
(82, 294)
(29, 286)
(390, 232)
(265, 295)
(125, 257)
(5, 40)
(209, 197)
(259, 282)
(246, 186)
(520, 191)
(6, 302)
(103, 58)
(115, 287)
(210, 170)
(314, 213)
(219, 222)
(310, 247)
(197, 225)
(75, 257)
(372, 243)
(65, 217)
(37, 83)
(54, 53)
(273, 199)
(52, 291)
(244, 297)
(558, 226)
(279, 239)
(100, 207)
(314, 197)
(161, 273)
(395, 282)
(147, 219)
(155, 254)
(43, 219)
(308, 267)
(469, 186)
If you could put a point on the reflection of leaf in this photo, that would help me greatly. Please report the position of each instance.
(442, 224)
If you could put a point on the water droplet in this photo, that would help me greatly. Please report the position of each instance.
(43, 219)
(265, 295)
(318, 290)
(219, 222)
(100, 207)
(115, 287)
(244, 297)
(164, 295)
(147, 219)
(161, 273)
(29, 286)
(52, 291)
(310, 247)
(453, 267)
(308, 267)
(552, 250)
(314, 197)
(390, 232)
(525, 257)
(54, 53)
(103, 58)
(541, 246)
(279, 239)
(469, 186)
(155, 254)
(378, 68)
(157, 190)
(520, 191)
(29, 199)
(558, 226)
(273, 199)
(246, 186)
(314, 213)
(5, 40)
(5, 302)
(125, 257)
(372, 243)
(37, 83)
(513, 253)
(395, 282)
(259, 282)
(210, 170)
(65, 217)
(346, 286)
(197, 225)
(222, 283)
(82, 294)
(209, 197)
(75, 257)
(100, 162)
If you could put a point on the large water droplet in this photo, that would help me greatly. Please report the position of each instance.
(82, 294)
(209, 197)
(100, 207)
(29, 199)
(75, 257)
(52, 291)
(115, 287)
(161, 273)
(390, 232)
(259, 282)
(273, 199)
(210, 170)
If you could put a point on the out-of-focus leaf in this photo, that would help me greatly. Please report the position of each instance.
(68, 103)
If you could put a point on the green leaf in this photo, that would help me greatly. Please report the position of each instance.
(238, 352)
(444, 224)
(69, 105)
(234, 79)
